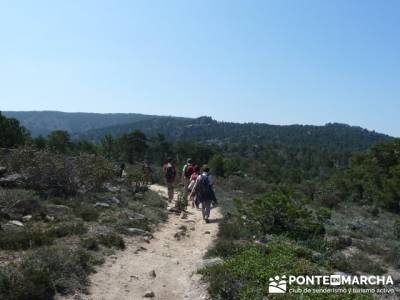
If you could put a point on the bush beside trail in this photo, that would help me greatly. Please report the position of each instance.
(63, 218)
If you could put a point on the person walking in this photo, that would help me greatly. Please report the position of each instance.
(170, 175)
(203, 189)
(186, 173)
(192, 183)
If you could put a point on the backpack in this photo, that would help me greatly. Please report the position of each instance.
(170, 173)
(188, 171)
(205, 189)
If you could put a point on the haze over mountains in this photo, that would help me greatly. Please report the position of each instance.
(93, 127)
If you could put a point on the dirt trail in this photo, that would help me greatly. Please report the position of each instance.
(127, 275)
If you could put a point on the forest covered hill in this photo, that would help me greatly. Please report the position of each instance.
(93, 127)
(43, 122)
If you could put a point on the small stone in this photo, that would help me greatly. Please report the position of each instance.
(267, 238)
(11, 180)
(207, 232)
(113, 200)
(153, 274)
(16, 223)
(149, 294)
(49, 218)
(209, 262)
(184, 215)
(111, 188)
(140, 249)
(3, 170)
(137, 231)
(102, 205)
(26, 218)
(182, 227)
(136, 216)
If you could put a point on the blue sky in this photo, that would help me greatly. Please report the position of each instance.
(278, 62)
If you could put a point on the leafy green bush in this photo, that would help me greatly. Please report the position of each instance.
(224, 248)
(245, 274)
(90, 243)
(24, 239)
(87, 212)
(27, 238)
(324, 214)
(112, 240)
(109, 240)
(277, 213)
(66, 229)
(45, 271)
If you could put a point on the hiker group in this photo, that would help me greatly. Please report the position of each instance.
(197, 185)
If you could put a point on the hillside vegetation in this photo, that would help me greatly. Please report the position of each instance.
(93, 127)
(292, 205)
(43, 122)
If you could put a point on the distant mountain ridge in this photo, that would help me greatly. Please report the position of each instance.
(92, 126)
(334, 136)
(43, 122)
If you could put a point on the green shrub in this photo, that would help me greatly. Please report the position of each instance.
(45, 271)
(396, 229)
(90, 243)
(324, 214)
(245, 275)
(88, 213)
(24, 239)
(278, 214)
(112, 240)
(358, 262)
(67, 229)
(54, 173)
(224, 248)
(35, 237)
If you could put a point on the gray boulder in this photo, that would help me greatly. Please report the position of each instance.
(111, 188)
(137, 231)
(113, 200)
(11, 180)
(102, 205)
(136, 216)
(13, 226)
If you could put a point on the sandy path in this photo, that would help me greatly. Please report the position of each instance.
(126, 275)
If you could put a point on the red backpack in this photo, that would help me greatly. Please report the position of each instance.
(189, 170)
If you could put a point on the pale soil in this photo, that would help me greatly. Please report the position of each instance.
(126, 275)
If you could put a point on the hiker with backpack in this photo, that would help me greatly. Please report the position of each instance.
(203, 189)
(170, 175)
(186, 173)
(193, 178)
